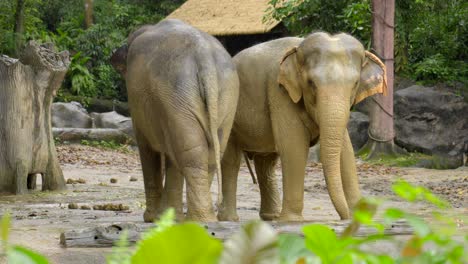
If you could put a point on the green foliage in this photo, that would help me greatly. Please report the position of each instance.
(183, 243)
(111, 144)
(81, 81)
(13, 253)
(356, 18)
(292, 249)
(121, 252)
(62, 22)
(303, 17)
(256, 242)
(402, 160)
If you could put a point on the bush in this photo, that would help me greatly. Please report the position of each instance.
(79, 79)
(62, 22)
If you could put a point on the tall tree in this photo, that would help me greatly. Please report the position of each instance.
(19, 26)
(381, 131)
(88, 13)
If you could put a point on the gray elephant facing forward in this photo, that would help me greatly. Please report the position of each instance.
(182, 91)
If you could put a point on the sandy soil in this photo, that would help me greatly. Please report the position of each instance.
(39, 218)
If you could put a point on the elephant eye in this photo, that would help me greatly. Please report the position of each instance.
(310, 82)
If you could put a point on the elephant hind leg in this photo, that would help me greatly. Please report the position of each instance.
(152, 177)
(173, 187)
(193, 165)
(270, 197)
(230, 165)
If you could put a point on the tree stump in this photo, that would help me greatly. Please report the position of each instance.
(27, 88)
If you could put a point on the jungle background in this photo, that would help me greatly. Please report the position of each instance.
(430, 35)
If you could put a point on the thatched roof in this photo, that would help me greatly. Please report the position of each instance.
(225, 17)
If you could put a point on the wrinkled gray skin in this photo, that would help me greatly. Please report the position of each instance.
(183, 91)
(293, 91)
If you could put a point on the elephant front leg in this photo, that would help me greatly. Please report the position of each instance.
(349, 176)
(269, 193)
(230, 165)
(293, 162)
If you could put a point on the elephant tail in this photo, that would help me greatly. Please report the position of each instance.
(211, 95)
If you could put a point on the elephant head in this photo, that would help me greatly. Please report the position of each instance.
(328, 74)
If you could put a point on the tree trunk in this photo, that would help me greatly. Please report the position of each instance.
(88, 13)
(19, 26)
(381, 131)
(27, 88)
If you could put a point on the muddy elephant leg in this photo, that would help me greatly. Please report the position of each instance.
(269, 193)
(293, 162)
(152, 177)
(349, 176)
(230, 165)
(173, 187)
(194, 167)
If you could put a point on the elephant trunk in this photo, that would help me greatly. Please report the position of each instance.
(333, 119)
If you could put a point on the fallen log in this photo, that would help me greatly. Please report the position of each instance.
(107, 235)
(92, 134)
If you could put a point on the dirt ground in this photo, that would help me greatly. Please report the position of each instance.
(39, 218)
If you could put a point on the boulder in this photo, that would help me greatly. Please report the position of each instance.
(71, 115)
(91, 134)
(430, 120)
(357, 128)
(113, 120)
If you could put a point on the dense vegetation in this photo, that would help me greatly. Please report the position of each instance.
(431, 35)
(63, 23)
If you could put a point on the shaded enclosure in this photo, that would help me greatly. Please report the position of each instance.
(236, 43)
(27, 88)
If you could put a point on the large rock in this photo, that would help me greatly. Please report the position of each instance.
(71, 115)
(357, 128)
(431, 121)
(113, 120)
(91, 134)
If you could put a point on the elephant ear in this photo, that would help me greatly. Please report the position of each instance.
(289, 75)
(373, 78)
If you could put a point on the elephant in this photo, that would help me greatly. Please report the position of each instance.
(292, 92)
(183, 90)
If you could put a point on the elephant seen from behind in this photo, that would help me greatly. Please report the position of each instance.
(294, 91)
(182, 91)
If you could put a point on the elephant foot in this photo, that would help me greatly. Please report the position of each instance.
(289, 217)
(228, 217)
(150, 216)
(201, 217)
(269, 216)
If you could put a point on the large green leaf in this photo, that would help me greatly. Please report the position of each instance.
(322, 241)
(4, 228)
(292, 248)
(256, 242)
(184, 243)
(21, 255)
